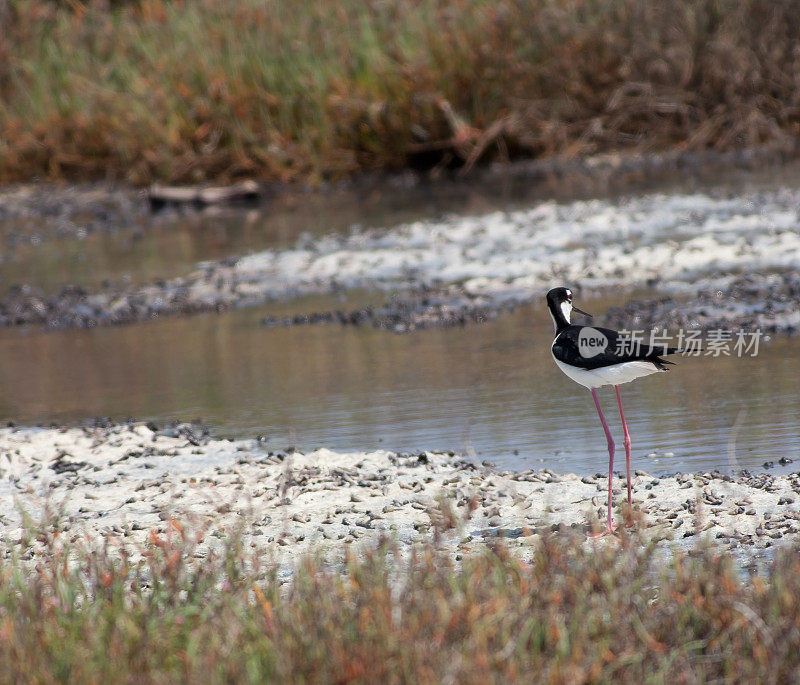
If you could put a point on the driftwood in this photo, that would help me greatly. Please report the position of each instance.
(244, 191)
(468, 142)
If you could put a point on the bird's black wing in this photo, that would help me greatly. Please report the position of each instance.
(588, 347)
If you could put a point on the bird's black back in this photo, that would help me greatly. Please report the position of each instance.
(567, 348)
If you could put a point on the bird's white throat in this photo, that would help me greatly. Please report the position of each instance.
(566, 310)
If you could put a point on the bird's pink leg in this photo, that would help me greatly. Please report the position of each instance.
(627, 443)
(610, 441)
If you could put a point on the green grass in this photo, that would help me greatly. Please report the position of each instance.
(316, 89)
(618, 613)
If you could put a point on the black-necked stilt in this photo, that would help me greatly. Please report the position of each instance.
(599, 356)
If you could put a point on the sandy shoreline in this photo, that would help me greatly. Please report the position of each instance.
(123, 481)
(707, 248)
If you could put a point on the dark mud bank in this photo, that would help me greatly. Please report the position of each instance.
(770, 303)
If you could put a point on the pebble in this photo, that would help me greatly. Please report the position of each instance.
(507, 499)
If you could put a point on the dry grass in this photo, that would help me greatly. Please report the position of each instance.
(315, 89)
(618, 613)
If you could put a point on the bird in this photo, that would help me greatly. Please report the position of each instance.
(594, 357)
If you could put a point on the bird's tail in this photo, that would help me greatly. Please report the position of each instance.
(661, 364)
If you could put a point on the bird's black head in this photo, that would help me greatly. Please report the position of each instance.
(559, 302)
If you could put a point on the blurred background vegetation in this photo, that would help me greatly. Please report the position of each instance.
(312, 90)
(617, 613)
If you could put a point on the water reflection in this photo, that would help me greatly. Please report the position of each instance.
(492, 390)
(149, 247)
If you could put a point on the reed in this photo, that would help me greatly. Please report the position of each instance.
(312, 90)
(554, 612)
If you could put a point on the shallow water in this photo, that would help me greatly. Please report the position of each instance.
(35, 250)
(491, 391)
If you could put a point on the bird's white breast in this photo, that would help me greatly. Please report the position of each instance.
(615, 374)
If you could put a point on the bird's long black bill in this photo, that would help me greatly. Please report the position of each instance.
(580, 311)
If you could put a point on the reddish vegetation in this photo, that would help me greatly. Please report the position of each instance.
(552, 612)
(304, 91)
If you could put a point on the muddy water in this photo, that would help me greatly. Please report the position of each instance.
(491, 391)
(37, 251)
